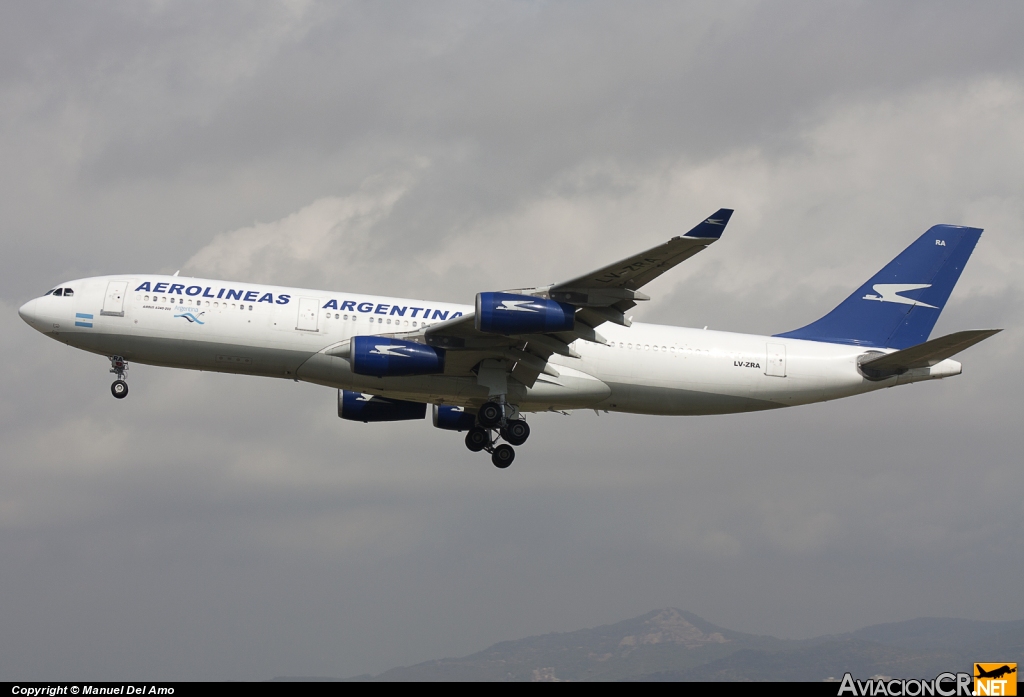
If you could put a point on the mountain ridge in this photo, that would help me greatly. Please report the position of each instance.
(674, 645)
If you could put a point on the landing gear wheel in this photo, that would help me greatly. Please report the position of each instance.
(503, 456)
(490, 415)
(477, 439)
(516, 432)
(119, 389)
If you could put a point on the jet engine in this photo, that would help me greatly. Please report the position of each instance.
(453, 418)
(381, 357)
(356, 406)
(507, 313)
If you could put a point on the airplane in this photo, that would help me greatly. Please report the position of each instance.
(560, 347)
(995, 673)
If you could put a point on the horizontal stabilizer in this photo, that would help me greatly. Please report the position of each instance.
(923, 355)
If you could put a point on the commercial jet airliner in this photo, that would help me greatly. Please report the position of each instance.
(565, 346)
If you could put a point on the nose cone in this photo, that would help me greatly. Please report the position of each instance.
(30, 313)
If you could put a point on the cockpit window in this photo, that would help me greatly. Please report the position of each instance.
(68, 292)
(50, 292)
(59, 291)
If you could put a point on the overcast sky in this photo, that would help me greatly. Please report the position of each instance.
(223, 527)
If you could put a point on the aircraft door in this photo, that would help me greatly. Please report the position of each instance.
(113, 301)
(309, 313)
(775, 365)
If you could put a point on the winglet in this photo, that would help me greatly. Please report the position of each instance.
(712, 227)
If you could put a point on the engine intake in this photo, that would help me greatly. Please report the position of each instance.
(382, 357)
(507, 313)
(453, 418)
(356, 406)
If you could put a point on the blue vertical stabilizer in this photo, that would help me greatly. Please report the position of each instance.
(899, 306)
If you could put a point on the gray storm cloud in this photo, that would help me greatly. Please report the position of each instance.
(220, 527)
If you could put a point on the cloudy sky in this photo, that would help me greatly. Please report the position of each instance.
(222, 527)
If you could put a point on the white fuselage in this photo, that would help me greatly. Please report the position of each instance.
(281, 332)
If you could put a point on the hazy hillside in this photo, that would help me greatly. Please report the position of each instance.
(673, 645)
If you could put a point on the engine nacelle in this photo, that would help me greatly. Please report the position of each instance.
(507, 313)
(453, 418)
(382, 357)
(356, 406)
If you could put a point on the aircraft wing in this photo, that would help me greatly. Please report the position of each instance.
(597, 297)
(589, 300)
(616, 285)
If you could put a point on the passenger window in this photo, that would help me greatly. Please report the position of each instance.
(216, 304)
(414, 324)
(345, 317)
(250, 308)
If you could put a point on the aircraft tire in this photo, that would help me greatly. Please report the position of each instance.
(503, 456)
(516, 432)
(490, 414)
(477, 439)
(119, 389)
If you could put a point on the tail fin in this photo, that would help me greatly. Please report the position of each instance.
(899, 306)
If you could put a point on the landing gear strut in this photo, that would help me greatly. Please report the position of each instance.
(119, 366)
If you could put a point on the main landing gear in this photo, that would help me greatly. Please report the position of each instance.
(491, 418)
(119, 366)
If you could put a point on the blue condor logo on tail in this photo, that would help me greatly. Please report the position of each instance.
(898, 306)
(249, 296)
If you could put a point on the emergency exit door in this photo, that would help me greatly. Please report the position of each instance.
(775, 365)
(113, 301)
(309, 312)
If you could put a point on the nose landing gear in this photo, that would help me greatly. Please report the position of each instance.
(119, 366)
